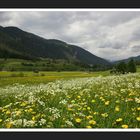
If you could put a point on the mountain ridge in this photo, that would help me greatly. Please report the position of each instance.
(14, 42)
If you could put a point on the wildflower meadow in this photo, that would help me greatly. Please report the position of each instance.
(95, 102)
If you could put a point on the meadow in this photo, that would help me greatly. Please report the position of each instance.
(26, 77)
(69, 100)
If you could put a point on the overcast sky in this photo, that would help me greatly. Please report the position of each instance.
(111, 35)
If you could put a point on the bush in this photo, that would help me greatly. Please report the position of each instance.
(42, 74)
(131, 67)
(36, 71)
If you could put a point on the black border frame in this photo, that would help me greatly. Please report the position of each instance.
(70, 4)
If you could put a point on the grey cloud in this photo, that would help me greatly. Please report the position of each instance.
(108, 34)
(136, 48)
(136, 35)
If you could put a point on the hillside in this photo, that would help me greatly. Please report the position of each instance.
(135, 58)
(16, 43)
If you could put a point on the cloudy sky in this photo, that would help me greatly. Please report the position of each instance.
(111, 35)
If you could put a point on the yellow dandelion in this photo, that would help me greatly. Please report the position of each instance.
(92, 122)
(33, 118)
(104, 115)
(95, 113)
(23, 104)
(26, 110)
(9, 124)
(101, 97)
(78, 97)
(18, 113)
(30, 110)
(8, 112)
(93, 101)
(138, 108)
(3, 110)
(89, 117)
(138, 118)
(117, 109)
(119, 120)
(0, 120)
(43, 115)
(78, 120)
(107, 102)
(79, 108)
(88, 126)
(124, 126)
(117, 101)
(88, 108)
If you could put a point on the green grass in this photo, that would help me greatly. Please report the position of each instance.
(8, 78)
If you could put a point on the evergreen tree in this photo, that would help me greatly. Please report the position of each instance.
(121, 67)
(131, 66)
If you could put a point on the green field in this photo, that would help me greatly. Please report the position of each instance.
(69, 100)
(7, 78)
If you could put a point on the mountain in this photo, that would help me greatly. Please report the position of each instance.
(16, 43)
(135, 58)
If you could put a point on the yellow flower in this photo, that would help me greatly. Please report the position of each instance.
(88, 108)
(78, 97)
(119, 120)
(138, 118)
(18, 113)
(92, 122)
(89, 117)
(117, 101)
(107, 102)
(33, 118)
(117, 109)
(88, 126)
(101, 97)
(8, 112)
(79, 108)
(30, 110)
(93, 101)
(0, 120)
(78, 120)
(138, 108)
(124, 126)
(23, 104)
(43, 115)
(9, 124)
(3, 110)
(69, 109)
(95, 113)
(104, 115)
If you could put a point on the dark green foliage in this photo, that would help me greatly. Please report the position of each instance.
(123, 67)
(131, 66)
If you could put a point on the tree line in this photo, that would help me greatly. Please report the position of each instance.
(123, 67)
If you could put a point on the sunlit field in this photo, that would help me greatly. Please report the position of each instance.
(93, 101)
(8, 78)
